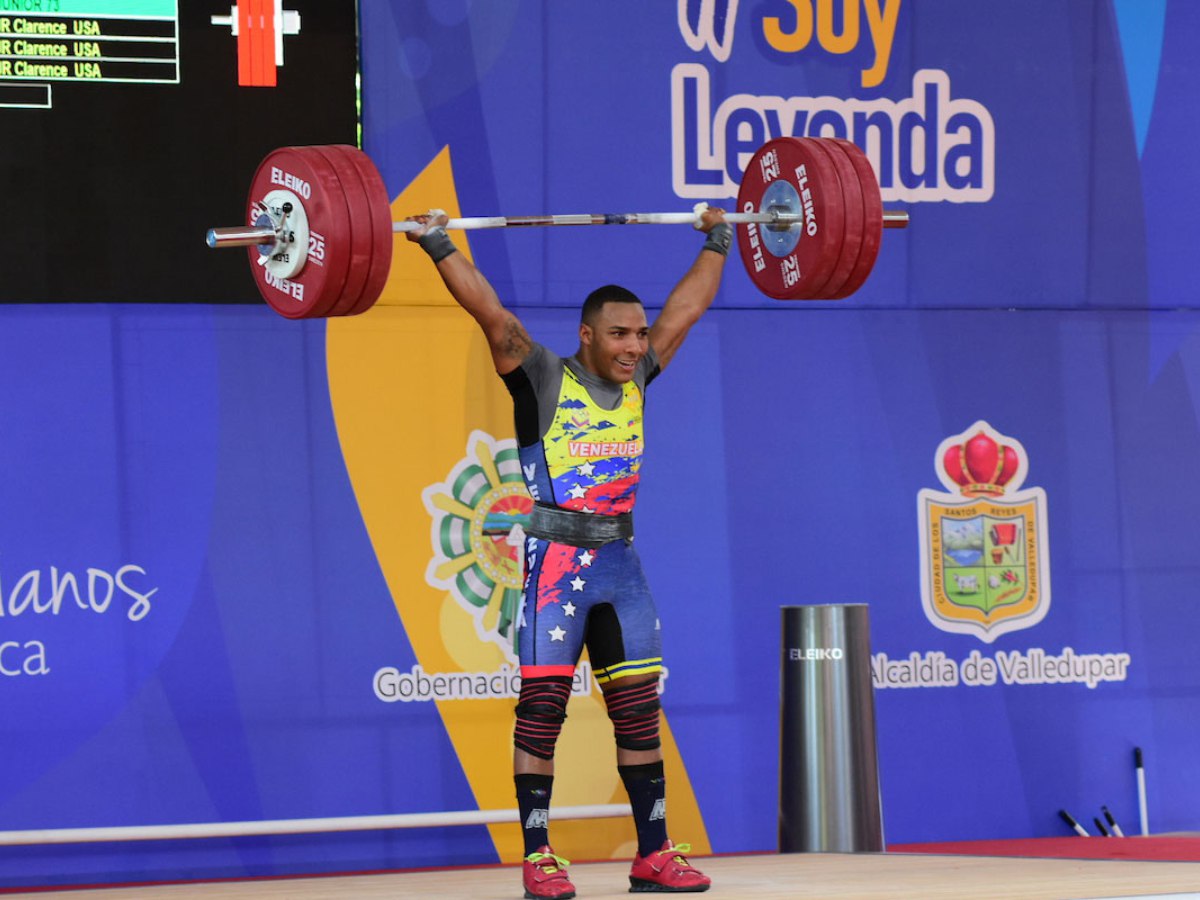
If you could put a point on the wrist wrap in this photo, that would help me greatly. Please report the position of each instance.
(719, 238)
(437, 244)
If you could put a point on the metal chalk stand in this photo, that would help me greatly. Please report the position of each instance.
(828, 766)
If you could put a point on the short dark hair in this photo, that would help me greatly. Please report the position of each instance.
(610, 293)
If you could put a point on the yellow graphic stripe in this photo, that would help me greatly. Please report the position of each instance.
(627, 668)
(449, 504)
(483, 455)
(452, 567)
(492, 614)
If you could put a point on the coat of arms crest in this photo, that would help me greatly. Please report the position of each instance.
(985, 562)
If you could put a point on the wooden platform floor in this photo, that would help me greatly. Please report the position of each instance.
(828, 876)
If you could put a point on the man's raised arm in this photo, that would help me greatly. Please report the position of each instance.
(694, 293)
(506, 336)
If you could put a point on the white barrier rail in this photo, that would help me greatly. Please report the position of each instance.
(191, 831)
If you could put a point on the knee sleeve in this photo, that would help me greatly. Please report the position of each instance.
(541, 709)
(634, 713)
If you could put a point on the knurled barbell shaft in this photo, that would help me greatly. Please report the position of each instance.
(249, 236)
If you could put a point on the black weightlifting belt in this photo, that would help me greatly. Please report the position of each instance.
(565, 526)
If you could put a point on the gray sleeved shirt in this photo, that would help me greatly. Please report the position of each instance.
(535, 385)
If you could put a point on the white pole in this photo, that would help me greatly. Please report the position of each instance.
(1141, 789)
(295, 826)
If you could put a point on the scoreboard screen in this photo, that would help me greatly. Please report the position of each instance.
(130, 127)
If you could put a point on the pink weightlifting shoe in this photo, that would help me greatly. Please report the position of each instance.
(667, 870)
(546, 876)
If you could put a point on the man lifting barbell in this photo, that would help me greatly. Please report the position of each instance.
(319, 235)
(584, 583)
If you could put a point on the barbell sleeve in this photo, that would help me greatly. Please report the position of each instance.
(239, 236)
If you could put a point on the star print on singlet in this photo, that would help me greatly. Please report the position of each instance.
(594, 455)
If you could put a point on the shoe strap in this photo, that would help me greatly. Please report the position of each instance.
(547, 861)
(677, 852)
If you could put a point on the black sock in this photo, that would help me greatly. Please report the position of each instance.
(533, 800)
(647, 789)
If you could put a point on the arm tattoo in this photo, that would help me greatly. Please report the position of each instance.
(517, 343)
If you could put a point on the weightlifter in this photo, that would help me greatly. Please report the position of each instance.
(579, 430)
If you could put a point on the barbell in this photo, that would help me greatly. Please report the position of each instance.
(320, 231)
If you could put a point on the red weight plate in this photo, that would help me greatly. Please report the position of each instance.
(344, 233)
(834, 222)
(791, 166)
(379, 215)
(381, 228)
(317, 286)
(872, 220)
(268, 75)
(853, 208)
(246, 42)
(256, 43)
(360, 229)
